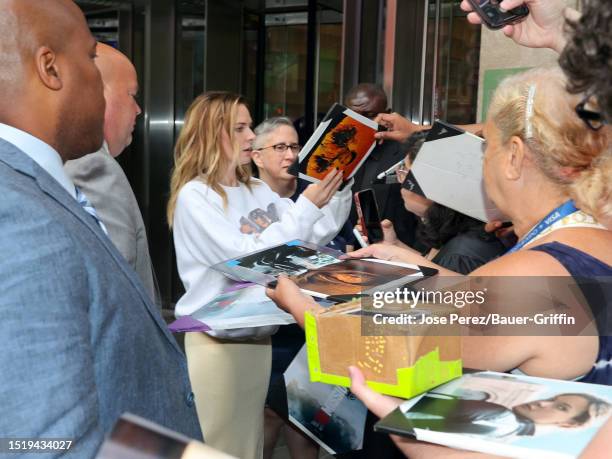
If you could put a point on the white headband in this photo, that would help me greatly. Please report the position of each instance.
(529, 112)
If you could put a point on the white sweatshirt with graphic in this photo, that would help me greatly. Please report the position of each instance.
(206, 233)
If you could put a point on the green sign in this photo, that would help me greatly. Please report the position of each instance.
(492, 78)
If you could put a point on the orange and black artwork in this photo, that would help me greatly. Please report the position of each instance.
(343, 146)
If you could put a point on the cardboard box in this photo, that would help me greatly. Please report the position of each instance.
(403, 365)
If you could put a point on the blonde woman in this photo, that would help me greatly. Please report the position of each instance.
(217, 211)
(537, 152)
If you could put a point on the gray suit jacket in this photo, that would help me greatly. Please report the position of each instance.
(103, 181)
(80, 340)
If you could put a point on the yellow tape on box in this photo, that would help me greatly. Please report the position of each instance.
(400, 365)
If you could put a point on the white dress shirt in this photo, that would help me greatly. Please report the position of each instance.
(41, 153)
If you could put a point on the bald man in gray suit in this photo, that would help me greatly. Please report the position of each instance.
(101, 177)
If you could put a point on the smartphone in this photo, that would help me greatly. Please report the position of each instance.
(369, 218)
(494, 17)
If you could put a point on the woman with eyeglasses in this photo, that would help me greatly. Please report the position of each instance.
(275, 149)
(218, 211)
(536, 149)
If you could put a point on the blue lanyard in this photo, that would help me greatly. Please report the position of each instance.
(565, 209)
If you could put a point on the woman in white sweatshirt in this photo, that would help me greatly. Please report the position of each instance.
(218, 211)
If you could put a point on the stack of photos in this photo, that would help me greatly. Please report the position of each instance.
(507, 415)
(245, 307)
(319, 271)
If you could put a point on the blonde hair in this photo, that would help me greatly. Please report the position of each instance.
(198, 152)
(593, 190)
(536, 107)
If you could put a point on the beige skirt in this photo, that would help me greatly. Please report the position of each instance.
(230, 382)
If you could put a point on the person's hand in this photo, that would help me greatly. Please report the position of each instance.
(379, 404)
(398, 127)
(288, 296)
(498, 228)
(382, 405)
(505, 234)
(321, 193)
(389, 235)
(383, 252)
(542, 28)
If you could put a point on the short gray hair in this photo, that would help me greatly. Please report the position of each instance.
(268, 126)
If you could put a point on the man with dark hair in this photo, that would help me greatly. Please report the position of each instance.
(445, 413)
(369, 100)
(81, 341)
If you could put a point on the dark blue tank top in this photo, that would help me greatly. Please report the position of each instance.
(594, 278)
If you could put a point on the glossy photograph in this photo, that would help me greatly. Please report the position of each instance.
(351, 277)
(289, 259)
(343, 141)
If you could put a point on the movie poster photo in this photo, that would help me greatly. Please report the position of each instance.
(344, 141)
(290, 259)
(511, 415)
(330, 415)
(352, 277)
(318, 271)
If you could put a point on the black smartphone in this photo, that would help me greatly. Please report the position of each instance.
(495, 17)
(369, 218)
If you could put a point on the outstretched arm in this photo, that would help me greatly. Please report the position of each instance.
(400, 128)
(288, 296)
(401, 254)
(382, 405)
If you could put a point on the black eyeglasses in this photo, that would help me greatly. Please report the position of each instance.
(593, 119)
(282, 147)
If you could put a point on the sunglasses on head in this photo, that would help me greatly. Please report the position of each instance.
(593, 119)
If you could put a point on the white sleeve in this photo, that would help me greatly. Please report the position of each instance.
(201, 223)
(336, 213)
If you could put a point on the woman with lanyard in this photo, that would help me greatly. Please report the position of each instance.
(537, 148)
